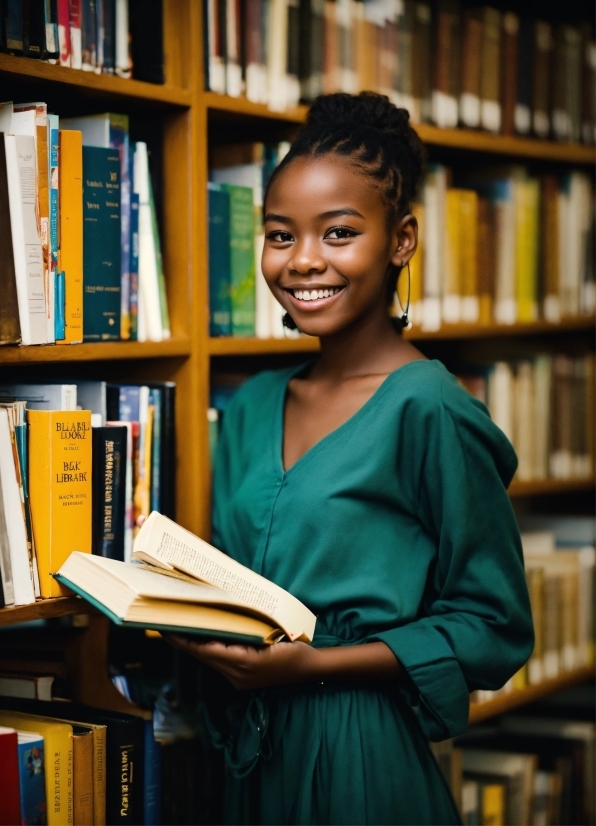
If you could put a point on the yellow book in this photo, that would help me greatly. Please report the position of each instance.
(58, 755)
(493, 805)
(59, 489)
(526, 249)
(520, 678)
(485, 259)
(468, 255)
(452, 285)
(71, 232)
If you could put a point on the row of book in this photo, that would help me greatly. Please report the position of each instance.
(545, 407)
(81, 256)
(81, 466)
(503, 247)
(240, 303)
(84, 34)
(66, 764)
(474, 67)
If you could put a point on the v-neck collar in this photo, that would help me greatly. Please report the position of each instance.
(278, 441)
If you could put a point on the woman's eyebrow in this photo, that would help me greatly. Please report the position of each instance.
(337, 213)
(281, 219)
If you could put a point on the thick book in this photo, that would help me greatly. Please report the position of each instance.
(82, 771)
(32, 773)
(59, 488)
(186, 585)
(108, 490)
(10, 803)
(26, 685)
(101, 244)
(10, 327)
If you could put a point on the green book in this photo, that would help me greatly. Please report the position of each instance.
(242, 259)
(101, 244)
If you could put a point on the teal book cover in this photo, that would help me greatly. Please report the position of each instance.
(242, 259)
(101, 244)
(32, 779)
(220, 307)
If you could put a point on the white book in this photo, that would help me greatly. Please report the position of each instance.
(524, 421)
(76, 50)
(277, 54)
(123, 61)
(26, 241)
(149, 320)
(505, 301)
(500, 397)
(542, 416)
(24, 593)
(5, 566)
(43, 396)
(434, 247)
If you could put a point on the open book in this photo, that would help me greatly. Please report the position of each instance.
(178, 582)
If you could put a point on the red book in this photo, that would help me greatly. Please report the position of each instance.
(64, 32)
(10, 801)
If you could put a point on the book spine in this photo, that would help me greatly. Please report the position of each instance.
(59, 316)
(101, 231)
(119, 140)
(76, 55)
(242, 259)
(220, 309)
(10, 803)
(13, 27)
(152, 779)
(60, 488)
(155, 401)
(134, 266)
(52, 46)
(88, 35)
(64, 40)
(82, 759)
(161, 283)
(167, 494)
(32, 772)
(122, 49)
(10, 327)
(109, 36)
(108, 490)
(71, 233)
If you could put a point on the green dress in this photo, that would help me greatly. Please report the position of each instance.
(395, 527)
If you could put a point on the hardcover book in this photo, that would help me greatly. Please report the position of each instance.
(181, 583)
(32, 772)
(101, 244)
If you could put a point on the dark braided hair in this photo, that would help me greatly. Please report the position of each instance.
(374, 134)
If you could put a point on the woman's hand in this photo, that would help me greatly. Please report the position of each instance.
(287, 663)
(247, 667)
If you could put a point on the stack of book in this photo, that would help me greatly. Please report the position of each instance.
(66, 763)
(545, 406)
(80, 242)
(480, 67)
(504, 247)
(77, 479)
(240, 303)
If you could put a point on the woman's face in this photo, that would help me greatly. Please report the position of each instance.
(328, 248)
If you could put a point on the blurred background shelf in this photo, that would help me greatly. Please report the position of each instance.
(541, 487)
(100, 351)
(45, 609)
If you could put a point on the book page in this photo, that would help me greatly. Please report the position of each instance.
(165, 544)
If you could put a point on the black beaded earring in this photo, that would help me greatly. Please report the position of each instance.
(289, 322)
(404, 320)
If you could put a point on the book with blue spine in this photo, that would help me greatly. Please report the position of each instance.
(101, 244)
(152, 779)
(133, 300)
(32, 778)
(220, 304)
(54, 240)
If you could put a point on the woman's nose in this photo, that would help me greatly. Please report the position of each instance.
(307, 258)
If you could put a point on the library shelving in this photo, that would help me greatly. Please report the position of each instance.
(177, 120)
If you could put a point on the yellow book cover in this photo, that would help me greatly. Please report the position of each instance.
(485, 259)
(526, 249)
(520, 678)
(493, 805)
(468, 255)
(58, 756)
(59, 489)
(452, 285)
(71, 232)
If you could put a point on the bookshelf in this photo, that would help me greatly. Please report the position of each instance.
(181, 116)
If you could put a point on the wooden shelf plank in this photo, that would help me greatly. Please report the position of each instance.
(236, 346)
(100, 351)
(540, 487)
(465, 331)
(515, 699)
(45, 609)
(106, 84)
(466, 139)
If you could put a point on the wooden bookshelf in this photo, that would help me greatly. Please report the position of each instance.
(514, 699)
(45, 609)
(550, 487)
(100, 351)
(463, 139)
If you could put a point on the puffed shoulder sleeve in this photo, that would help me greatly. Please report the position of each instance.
(476, 629)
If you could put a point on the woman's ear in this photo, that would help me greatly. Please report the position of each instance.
(405, 240)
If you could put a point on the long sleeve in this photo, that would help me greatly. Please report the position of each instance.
(475, 628)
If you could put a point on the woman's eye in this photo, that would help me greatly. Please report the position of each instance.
(280, 236)
(340, 233)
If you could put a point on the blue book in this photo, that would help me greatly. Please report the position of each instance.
(220, 301)
(152, 779)
(32, 778)
(13, 21)
(101, 244)
(59, 306)
(133, 300)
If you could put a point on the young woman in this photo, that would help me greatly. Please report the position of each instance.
(370, 485)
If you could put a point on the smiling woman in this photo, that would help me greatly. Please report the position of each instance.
(372, 487)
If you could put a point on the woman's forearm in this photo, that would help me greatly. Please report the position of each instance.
(368, 662)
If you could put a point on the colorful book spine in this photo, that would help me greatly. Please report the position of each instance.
(32, 771)
(101, 231)
(220, 308)
(71, 233)
(242, 259)
(133, 301)
(59, 488)
(54, 228)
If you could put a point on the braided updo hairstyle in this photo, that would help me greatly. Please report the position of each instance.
(373, 134)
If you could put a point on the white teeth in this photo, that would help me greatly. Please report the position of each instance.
(313, 295)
